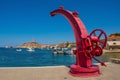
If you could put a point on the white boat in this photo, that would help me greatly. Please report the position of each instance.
(55, 52)
(18, 49)
(30, 50)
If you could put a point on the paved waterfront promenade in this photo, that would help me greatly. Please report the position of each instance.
(111, 72)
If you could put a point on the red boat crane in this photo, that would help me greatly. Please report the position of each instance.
(87, 46)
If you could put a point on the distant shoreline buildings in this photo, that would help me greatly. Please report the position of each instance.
(112, 43)
(34, 44)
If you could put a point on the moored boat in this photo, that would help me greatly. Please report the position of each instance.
(30, 49)
(19, 50)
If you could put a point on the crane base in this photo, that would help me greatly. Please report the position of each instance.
(78, 71)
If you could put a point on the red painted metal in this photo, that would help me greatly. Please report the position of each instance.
(101, 37)
(87, 46)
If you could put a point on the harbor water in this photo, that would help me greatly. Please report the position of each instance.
(10, 57)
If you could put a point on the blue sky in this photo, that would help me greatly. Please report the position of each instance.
(24, 20)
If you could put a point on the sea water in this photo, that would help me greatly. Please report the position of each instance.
(10, 57)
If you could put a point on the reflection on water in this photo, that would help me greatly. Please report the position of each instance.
(106, 56)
